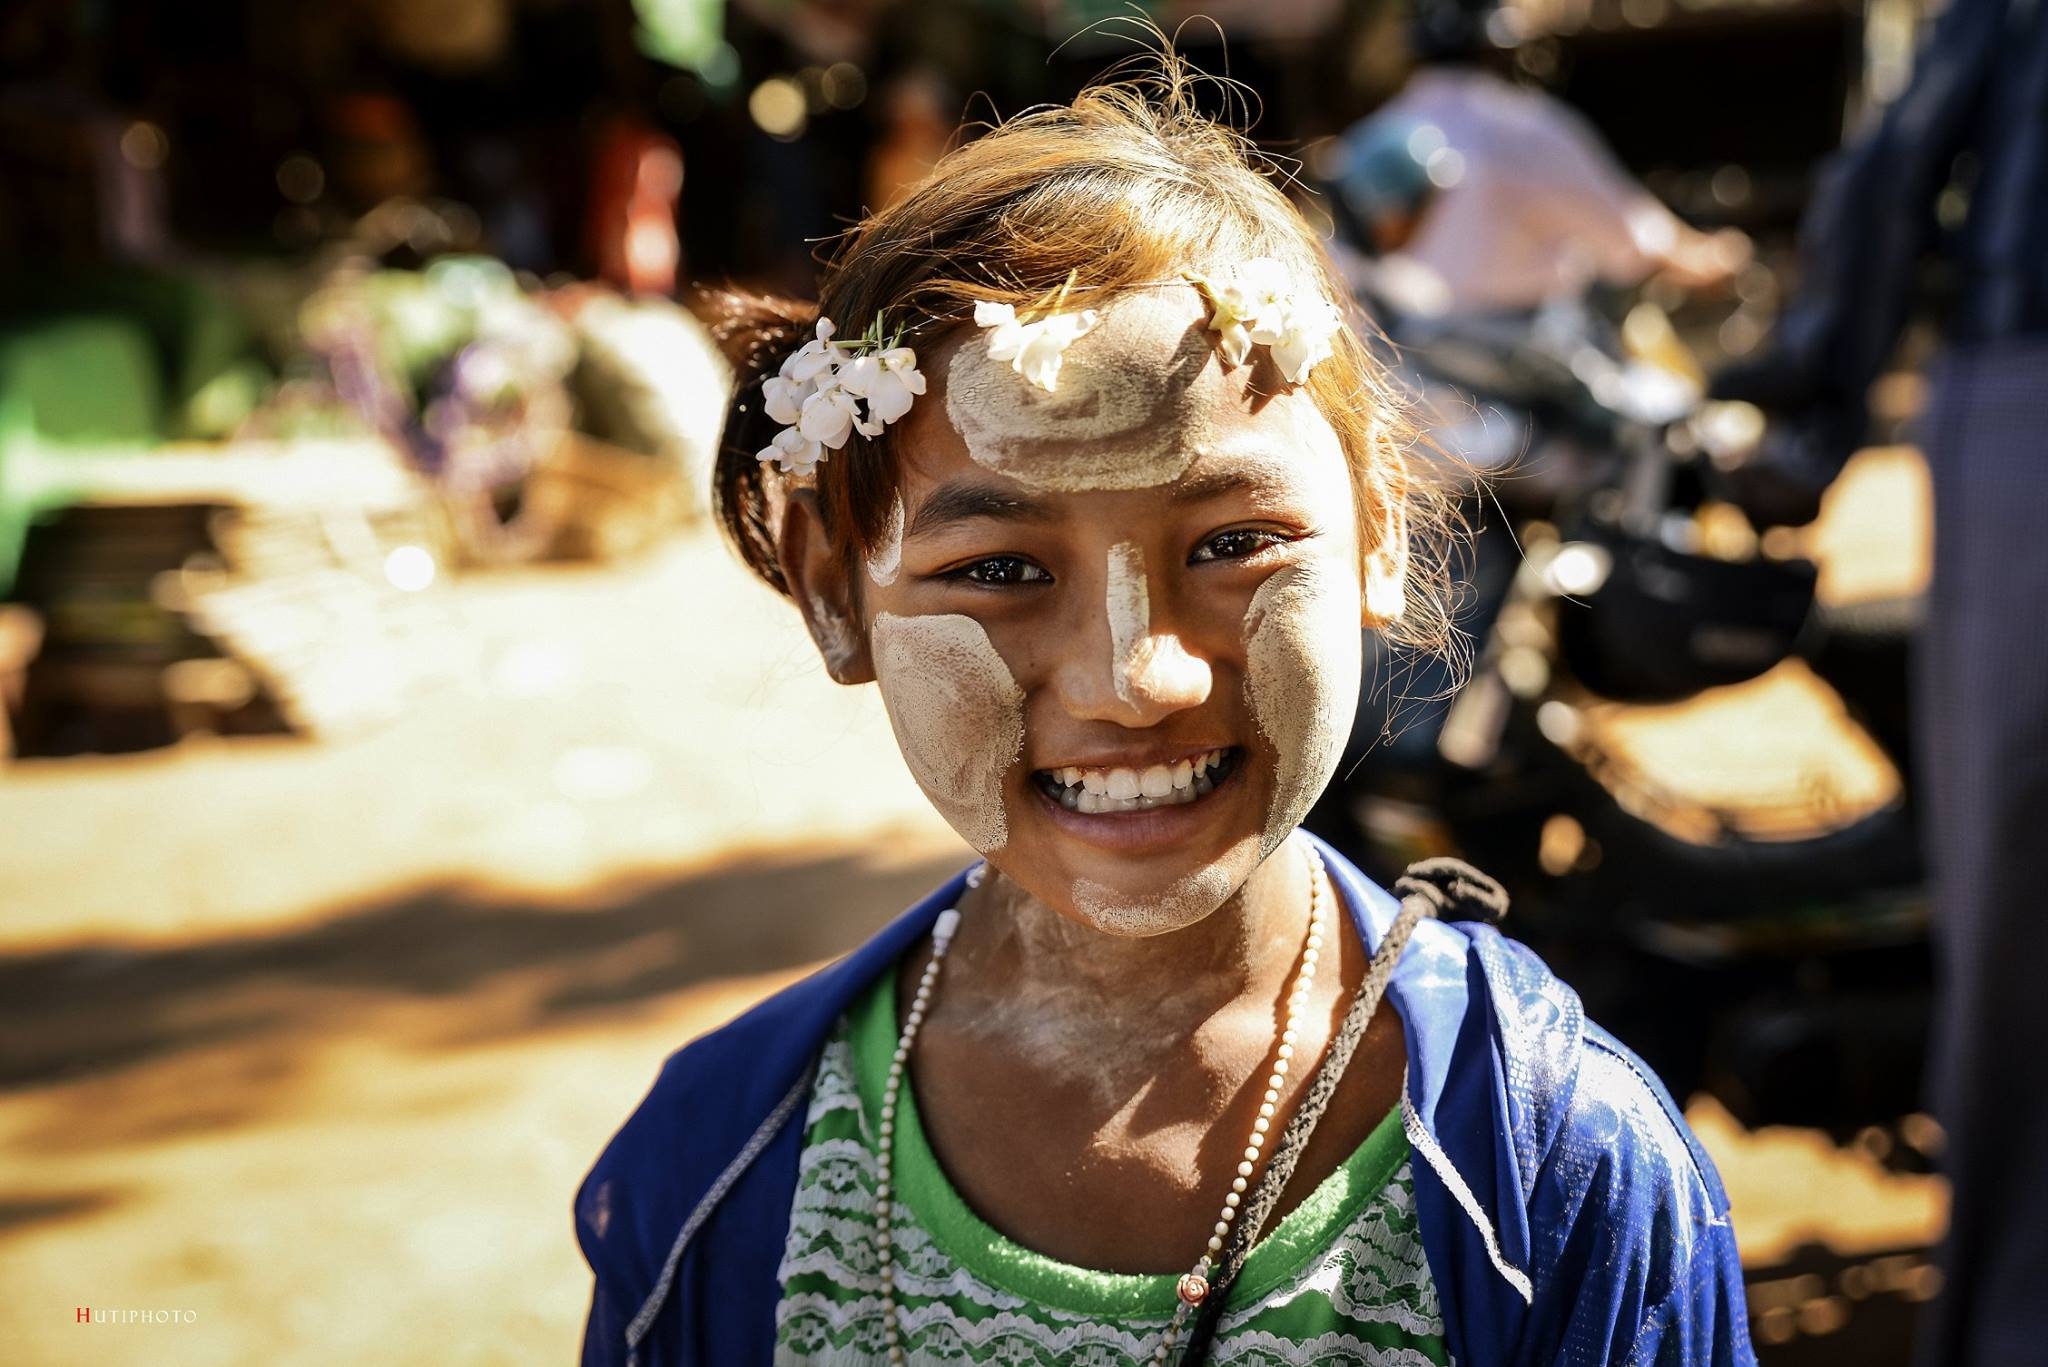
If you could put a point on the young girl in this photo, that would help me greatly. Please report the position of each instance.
(1080, 461)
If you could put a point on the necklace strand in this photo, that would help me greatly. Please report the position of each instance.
(1193, 1285)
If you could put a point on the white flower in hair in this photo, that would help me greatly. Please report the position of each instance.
(828, 416)
(1034, 349)
(821, 388)
(814, 357)
(1304, 338)
(1250, 306)
(888, 381)
(1258, 302)
(793, 452)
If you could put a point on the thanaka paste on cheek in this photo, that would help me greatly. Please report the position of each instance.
(1304, 643)
(958, 717)
(1131, 408)
(887, 556)
(1304, 661)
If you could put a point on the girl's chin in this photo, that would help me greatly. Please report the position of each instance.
(1142, 898)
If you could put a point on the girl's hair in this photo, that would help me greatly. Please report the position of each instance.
(1124, 189)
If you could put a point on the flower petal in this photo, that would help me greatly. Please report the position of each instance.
(890, 397)
(859, 374)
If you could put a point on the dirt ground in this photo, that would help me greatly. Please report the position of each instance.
(314, 1040)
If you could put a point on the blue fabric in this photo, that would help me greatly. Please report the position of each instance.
(1568, 1215)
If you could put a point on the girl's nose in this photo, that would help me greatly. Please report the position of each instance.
(1119, 668)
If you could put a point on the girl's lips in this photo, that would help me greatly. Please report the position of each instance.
(1157, 827)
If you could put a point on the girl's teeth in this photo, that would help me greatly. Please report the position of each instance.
(1093, 791)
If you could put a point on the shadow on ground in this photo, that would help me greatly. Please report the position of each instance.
(500, 967)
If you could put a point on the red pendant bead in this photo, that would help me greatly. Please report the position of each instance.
(1194, 1287)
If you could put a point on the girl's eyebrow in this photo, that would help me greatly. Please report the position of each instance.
(1216, 478)
(952, 503)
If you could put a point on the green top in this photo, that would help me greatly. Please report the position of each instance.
(1342, 1279)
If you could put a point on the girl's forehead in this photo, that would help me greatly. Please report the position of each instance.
(1142, 401)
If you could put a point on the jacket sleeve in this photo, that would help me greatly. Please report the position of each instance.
(604, 1331)
(1642, 1269)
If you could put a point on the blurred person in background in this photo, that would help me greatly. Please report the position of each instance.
(1959, 164)
(916, 126)
(1483, 196)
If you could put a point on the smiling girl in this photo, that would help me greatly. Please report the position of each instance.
(1078, 460)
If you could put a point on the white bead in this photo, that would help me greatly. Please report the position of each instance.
(1315, 939)
(1159, 1353)
(882, 1190)
(1272, 1095)
(1222, 1230)
(1244, 1169)
(1286, 1051)
(1251, 1153)
(882, 1208)
(882, 1256)
(1288, 1036)
(1261, 1125)
(1215, 1243)
(1239, 1185)
(1265, 1110)
(1230, 1201)
(1310, 956)
(1280, 1068)
(882, 1239)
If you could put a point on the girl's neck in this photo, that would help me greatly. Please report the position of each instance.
(1122, 1006)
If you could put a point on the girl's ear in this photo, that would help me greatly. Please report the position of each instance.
(818, 582)
(1386, 572)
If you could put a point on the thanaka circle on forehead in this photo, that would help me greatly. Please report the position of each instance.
(1134, 403)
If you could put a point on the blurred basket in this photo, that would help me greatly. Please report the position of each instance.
(597, 501)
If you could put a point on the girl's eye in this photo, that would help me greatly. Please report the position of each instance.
(1000, 570)
(1240, 544)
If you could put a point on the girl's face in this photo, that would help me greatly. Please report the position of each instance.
(1119, 635)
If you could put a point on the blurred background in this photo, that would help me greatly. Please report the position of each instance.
(394, 766)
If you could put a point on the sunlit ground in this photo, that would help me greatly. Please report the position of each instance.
(315, 1040)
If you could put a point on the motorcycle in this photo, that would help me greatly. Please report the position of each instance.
(1784, 972)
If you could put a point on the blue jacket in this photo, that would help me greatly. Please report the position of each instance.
(1568, 1215)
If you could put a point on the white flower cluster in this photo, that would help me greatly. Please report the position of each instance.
(1259, 302)
(824, 387)
(1034, 349)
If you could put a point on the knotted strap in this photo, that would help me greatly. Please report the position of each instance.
(1447, 889)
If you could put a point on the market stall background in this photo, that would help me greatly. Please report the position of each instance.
(393, 765)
